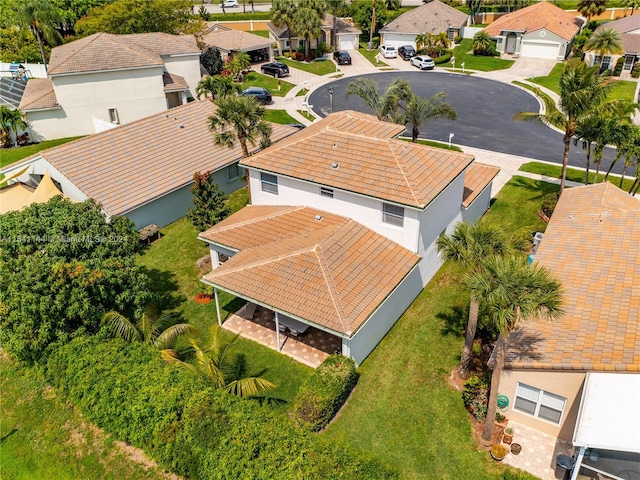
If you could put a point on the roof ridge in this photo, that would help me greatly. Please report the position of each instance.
(331, 286)
(85, 45)
(249, 221)
(395, 157)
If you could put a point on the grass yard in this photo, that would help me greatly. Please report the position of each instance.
(552, 80)
(307, 115)
(261, 33)
(574, 175)
(302, 92)
(256, 79)
(41, 436)
(548, 101)
(464, 53)
(317, 67)
(403, 410)
(11, 155)
(431, 143)
(279, 116)
(371, 55)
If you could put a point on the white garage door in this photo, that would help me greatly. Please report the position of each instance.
(540, 49)
(396, 40)
(347, 42)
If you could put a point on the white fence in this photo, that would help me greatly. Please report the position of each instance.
(37, 70)
(469, 32)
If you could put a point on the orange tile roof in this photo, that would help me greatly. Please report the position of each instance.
(130, 165)
(38, 94)
(236, 40)
(332, 272)
(369, 161)
(540, 15)
(592, 244)
(476, 178)
(173, 82)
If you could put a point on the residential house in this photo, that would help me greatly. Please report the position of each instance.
(347, 35)
(228, 41)
(104, 80)
(144, 169)
(434, 17)
(578, 378)
(629, 30)
(349, 276)
(541, 30)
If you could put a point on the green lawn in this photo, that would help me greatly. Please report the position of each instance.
(573, 174)
(431, 143)
(317, 67)
(552, 80)
(279, 116)
(464, 53)
(371, 55)
(261, 33)
(256, 79)
(10, 155)
(549, 103)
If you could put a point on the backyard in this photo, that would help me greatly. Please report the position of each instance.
(11, 155)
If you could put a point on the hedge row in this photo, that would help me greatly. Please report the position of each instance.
(324, 391)
(187, 426)
(446, 58)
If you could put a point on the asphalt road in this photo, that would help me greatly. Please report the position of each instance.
(485, 111)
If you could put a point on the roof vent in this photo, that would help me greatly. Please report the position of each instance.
(335, 145)
(318, 218)
(181, 125)
(334, 165)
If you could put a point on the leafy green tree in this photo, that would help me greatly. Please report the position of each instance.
(216, 87)
(236, 63)
(140, 16)
(20, 45)
(307, 25)
(606, 41)
(209, 202)
(62, 265)
(474, 9)
(211, 60)
(282, 13)
(632, 4)
(385, 106)
(591, 8)
(470, 246)
(11, 119)
(70, 11)
(514, 292)
(41, 17)
(482, 44)
(420, 110)
(362, 12)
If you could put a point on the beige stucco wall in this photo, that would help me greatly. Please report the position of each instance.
(187, 66)
(565, 384)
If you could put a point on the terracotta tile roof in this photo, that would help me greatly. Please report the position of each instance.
(128, 166)
(105, 51)
(592, 246)
(476, 177)
(540, 15)
(369, 162)
(434, 17)
(173, 82)
(236, 40)
(38, 94)
(332, 272)
(627, 27)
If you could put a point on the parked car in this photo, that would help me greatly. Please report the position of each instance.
(342, 57)
(388, 51)
(276, 69)
(229, 4)
(260, 94)
(407, 52)
(423, 62)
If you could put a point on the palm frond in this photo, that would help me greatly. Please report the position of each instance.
(119, 326)
(249, 387)
(168, 336)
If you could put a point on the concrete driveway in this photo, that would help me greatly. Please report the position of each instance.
(521, 69)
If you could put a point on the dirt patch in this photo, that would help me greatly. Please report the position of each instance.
(138, 456)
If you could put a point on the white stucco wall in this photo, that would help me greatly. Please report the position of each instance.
(49, 124)
(187, 66)
(480, 205)
(365, 210)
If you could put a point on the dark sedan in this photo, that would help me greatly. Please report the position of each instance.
(276, 69)
(342, 57)
(407, 52)
(260, 94)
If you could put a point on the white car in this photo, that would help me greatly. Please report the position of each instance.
(423, 62)
(229, 4)
(388, 51)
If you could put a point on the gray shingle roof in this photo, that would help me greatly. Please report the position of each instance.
(434, 17)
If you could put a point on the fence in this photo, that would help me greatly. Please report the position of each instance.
(36, 70)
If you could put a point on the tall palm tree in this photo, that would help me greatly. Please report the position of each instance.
(161, 331)
(216, 87)
(582, 91)
(385, 106)
(514, 292)
(307, 25)
(470, 246)
(41, 17)
(630, 151)
(239, 120)
(420, 110)
(632, 4)
(606, 41)
(421, 41)
(224, 371)
(588, 131)
(282, 13)
(590, 8)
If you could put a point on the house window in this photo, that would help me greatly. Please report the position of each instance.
(113, 116)
(392, 214)
(606, 62)
(233, 172)
(269, 183)
(451, 34)
(326, 192)
(286, 43)
(539, 403)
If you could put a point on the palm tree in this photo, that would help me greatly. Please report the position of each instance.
(588, 131)
(606, 41)
(630, 150)
(40, 16)
(590, 8)
(161, 331)
(307, 25)
(282, 13)
(241, 120)
(469, 246)
(632, 4)
(421, 41)
(215, 362)
(384, 106)
(237, 63)
(420, 110)
(482, 43)
(582, 91)
(11, 119)
(216, 87)
(514, 292)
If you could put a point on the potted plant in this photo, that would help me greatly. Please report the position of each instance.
(498, 452)
(516, 448)
(508, 435)
(203, 298)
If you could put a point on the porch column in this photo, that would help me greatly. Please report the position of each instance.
(577, 463)
(278, 333)
(183, 98)
(215, 294)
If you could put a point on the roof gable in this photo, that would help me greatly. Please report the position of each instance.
(228, 40)
(433, 17)
(38, 94)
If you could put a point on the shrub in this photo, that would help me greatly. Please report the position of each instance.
(211, 60)
(300, 56)
(209, 202)
(635, 73)
(499, 450)
(618, 68)
(446, 58)
(549, 202)
(476, 396)
(324, 392)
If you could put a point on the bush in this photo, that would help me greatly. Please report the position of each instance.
(446, 58)
(476, 396)
(324, 392)
(300, 56)
(209, 202)
(618, 68)
(635, 73)
(549, 202)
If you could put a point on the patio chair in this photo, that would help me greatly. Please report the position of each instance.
(249, 311)
(282, 328)
(294, 333)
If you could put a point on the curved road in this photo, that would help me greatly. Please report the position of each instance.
(485, 115)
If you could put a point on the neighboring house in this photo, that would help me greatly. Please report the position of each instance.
(104, 80)
(434, 17)
(347, 35)
(576, 378)
(629, 29)
(143, 170)
(541, 30)
(349, 277)
(228, 41)
(18, 195)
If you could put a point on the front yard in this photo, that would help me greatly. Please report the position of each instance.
(464, 53)
(319, 66)
(256, 79)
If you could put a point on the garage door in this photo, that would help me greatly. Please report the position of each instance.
(396, 40)
(347, 43)
(540, 50)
